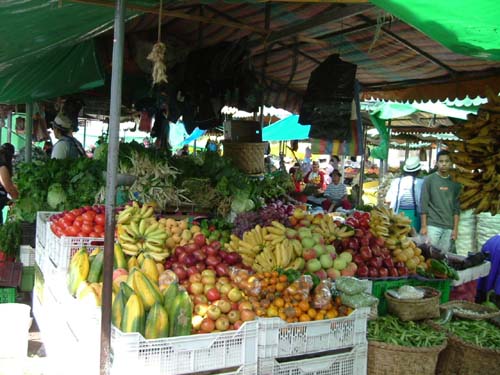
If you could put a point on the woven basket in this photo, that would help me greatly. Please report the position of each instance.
(461, 358)
(415, 309)
(486, 312)
(246, 156)
(387, 359)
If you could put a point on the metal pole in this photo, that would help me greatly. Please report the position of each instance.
(267, 24)
(85, 135)
(28, 131)
(113, 149)
(407, 151)
(9, 128)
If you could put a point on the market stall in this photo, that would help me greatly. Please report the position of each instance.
(251, 291)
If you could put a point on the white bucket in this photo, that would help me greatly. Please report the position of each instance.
(16, 322)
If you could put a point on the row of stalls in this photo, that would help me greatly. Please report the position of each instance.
(209, 268)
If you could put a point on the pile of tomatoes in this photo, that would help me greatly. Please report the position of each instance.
(87, 221)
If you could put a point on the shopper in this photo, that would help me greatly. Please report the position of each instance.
(440, 206)
(336, 194)
(315, 177)
(67, 146)
(405, 192)
(7, 187)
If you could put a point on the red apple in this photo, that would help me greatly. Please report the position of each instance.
(363, 271)
(372, 272)
(358, 259)
(199, 240)
(388, 262)
(365, 252)
(383, 272)
(309, 254)
(216, 245)
(353, 244)
(393, 272)
(358, 233)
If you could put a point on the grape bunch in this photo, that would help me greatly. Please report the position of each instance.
(276, 210)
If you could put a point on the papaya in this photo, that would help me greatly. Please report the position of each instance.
(132, 262)
(149, 268)
(182, 313)
(119, 260)
(118, 308)
(79, 268)
(148, 291)
(96, 266)
(156, 322)
(133, 316)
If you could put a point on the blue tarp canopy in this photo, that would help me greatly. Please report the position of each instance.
(197, 133)
(287, 129)
(178, 136)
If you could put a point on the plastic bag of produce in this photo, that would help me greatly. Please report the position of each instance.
(322, 294)
(302, 285)
(248, 283)
(407, 292)
(359, 300)
(349, 285)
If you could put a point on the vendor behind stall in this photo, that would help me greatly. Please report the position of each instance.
(67, 146)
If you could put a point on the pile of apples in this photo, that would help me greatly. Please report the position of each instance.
(199, 254)
(372, 258)
(219, 305)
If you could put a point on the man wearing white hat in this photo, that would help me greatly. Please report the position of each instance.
(67, 146)
(405, 191)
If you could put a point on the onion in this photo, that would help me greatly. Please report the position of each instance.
(212, 260)
(179, 250)
(232, 258)
(189, 260)
(190, 247)
(211, 251)
(200, 266)
(199, 255)
(222, 269)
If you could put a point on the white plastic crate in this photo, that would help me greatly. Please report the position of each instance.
(61, 249)
(27, 255)
(350, 361)
(185, 354)
(279, 339)
(42, 218)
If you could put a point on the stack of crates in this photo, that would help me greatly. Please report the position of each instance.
(327, 347)
(10, 279)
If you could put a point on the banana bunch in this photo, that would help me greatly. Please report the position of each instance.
(145, 235)
(330, 231)
(134, 212)
(385, 223)
(267, 248)
(478, 157)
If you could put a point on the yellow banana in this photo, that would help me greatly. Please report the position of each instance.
(258, 234)
(276, 231)
(148, 245)
(278, 225)
(143, 225)
(152, 228)
(278, 255)
(124, 218)
(159, 257)
(149, 212)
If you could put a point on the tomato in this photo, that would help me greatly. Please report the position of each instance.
(78, 219)
(77, 212)
(99, 229)
(81, 234)
(77, 224)
(94, 234)
(89, 216)
(86, 228)
(69, 216)
(100, 219)
(67, 221)
(71, 231)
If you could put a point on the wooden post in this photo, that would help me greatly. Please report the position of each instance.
(28, 131)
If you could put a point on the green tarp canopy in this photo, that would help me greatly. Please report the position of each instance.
(471, 28)
(46, 48)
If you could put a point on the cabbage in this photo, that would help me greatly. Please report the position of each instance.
(241, 203)
(56, 197)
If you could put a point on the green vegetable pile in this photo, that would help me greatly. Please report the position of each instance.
(10, 237)
(477, 332)
(56, 185)
(391, 330)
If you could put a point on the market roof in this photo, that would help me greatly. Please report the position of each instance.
(395, 60)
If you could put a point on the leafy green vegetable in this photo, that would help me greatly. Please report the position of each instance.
(56, 197)
(10, 237)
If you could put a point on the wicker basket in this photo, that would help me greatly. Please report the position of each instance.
(485, 311)
(461, 358)
(387, 359)
(246, 156)
(415, 309)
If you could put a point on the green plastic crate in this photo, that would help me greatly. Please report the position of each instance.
(7, 295)
(379, 287)
(27, 279)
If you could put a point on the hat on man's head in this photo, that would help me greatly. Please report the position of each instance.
(62, 122)
(412, 164)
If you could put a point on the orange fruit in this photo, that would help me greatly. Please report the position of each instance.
(279, 302)
(304, 318)
(304, 306)
(312, 313)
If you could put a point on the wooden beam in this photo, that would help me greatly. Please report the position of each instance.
(175, 14)
(412, 47)
(336, 14)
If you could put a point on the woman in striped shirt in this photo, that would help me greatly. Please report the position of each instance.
(336, 194)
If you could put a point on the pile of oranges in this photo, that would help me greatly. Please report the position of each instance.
(272, 295)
